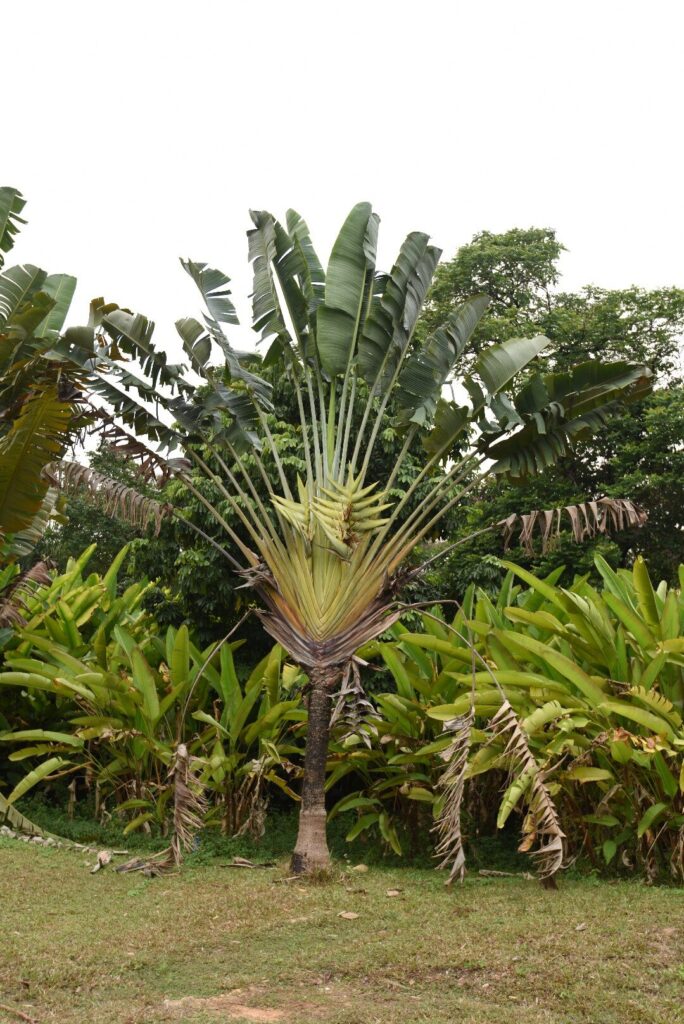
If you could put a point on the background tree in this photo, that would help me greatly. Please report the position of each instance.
(637, 456)
(516, 269)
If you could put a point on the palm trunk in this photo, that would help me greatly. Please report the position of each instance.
(311, 851)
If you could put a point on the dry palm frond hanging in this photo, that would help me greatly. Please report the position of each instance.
(189, 804)
(189, 807)
(450, 846)
(542, 824)
(150, 466)
(115, 497)
(606, 515)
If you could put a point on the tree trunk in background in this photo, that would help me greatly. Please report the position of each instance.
(311, 851)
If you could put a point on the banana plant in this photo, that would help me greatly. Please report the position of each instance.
(42, 402)
(38, 397)
(325, 552)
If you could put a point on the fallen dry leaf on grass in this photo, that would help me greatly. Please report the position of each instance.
(348, 915)
(104, 858)
(241, 862)
(394, 892)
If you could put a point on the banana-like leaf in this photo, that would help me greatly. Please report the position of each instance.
(450, 425)
(587, 386)
(40, 736)
(132, 334)
(11, 817)
(17, 286)
(60, 288)
(497, 365)
(394, 311)
(646, 595)
(36, 437)
(558, 661)
(263, 254)
(579, 404)
(12, 204)
(26, 540)
(426, 371)
(213, 285)
(347, 288)
(144, 681)
(312, 275)
(53, 764)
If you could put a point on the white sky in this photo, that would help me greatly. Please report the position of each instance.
(143, 131)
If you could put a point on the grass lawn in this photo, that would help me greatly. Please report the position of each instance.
(213, 944)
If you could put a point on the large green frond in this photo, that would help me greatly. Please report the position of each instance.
(36, 437)
(12, 204)
(60, 288)
(427, 370)
(559, 410)
(395, 310)
(17, 285)
(347, 286)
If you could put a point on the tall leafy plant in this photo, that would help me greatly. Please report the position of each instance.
(90, 687)
(595, 680)
(37, 396)
(324, 552)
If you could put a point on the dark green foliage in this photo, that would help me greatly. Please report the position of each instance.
(638, 455)
(596, 679)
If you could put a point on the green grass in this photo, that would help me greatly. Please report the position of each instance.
(240, 945)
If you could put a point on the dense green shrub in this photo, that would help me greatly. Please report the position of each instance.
(597, 681)
(93, 691)
(98, 695)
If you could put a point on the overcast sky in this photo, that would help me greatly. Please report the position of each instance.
(144, 131)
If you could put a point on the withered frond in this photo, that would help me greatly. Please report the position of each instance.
(352, 708)
(114, 497)
(189, 807)
(541, 828)
(189, 803)
(604, 516)
(450, 845)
